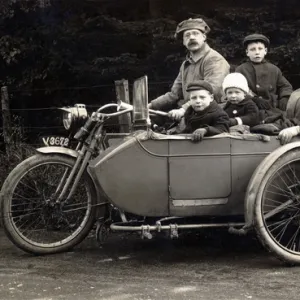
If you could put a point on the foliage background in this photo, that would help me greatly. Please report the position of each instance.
(71, 51)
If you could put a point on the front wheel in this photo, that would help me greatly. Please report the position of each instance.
(277, 208)
(32, 219)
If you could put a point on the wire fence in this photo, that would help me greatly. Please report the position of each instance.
(41, 128)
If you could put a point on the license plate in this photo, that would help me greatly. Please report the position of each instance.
(56, 141)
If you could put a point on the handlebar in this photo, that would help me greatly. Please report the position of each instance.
(125, 108)
(107, 106)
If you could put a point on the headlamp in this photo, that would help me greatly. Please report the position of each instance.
(74, 117)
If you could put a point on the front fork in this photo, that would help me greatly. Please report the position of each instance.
(81, 162)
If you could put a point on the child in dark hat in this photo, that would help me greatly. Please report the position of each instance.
(204, 117)
(270, 88)
(239, 105)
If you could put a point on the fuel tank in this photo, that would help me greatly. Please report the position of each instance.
(133, 175)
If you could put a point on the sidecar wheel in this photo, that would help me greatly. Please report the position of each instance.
(277, 208)
(32, 220)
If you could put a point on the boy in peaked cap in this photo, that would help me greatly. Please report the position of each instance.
(239, 106)
(201, 63)
(204, 117)
(270, 88)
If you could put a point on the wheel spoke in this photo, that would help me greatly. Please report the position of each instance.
(278, 224)
(279, 194)
(292, 239)
(283, 230)
(287, 194)
(278, 209)
(273, 200)
(294, 173)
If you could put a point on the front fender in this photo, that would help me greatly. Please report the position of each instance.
(257, 177)
(59, 150)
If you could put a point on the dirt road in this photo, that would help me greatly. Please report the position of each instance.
(211, 265)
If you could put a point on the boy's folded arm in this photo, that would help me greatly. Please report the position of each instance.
(284, 90)
(221, 125)
(252, 116)
(282, 103)
(262, 103)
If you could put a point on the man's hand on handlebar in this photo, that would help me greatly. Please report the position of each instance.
(176, 114)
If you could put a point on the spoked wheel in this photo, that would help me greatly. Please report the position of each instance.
(33, 219)
(277, 208)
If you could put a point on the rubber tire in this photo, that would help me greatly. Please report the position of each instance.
(262, 233)
(6, 193)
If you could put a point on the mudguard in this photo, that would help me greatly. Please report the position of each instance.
(58, 150)
(257, 177)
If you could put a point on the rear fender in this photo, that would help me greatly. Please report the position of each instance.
(101, 201)
(257, 177)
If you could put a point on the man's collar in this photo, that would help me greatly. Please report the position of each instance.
(197, 56)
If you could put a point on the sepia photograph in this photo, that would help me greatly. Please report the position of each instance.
(149, 149)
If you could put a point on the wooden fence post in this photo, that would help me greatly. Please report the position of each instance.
(122, 93)
(6, 120)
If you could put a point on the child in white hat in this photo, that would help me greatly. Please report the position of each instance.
(239, 106)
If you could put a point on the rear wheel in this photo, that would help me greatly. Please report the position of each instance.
(31, 217)
(277, 208)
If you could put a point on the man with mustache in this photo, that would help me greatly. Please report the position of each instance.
(201, 63)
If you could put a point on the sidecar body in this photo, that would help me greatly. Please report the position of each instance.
(230, 176)
(151, 174)
(157, 175)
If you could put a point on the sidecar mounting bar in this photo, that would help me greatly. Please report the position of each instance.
(158, 227)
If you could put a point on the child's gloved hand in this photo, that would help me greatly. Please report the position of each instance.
(198, 135)
(287, 134)
(176, 114)
(262, 103)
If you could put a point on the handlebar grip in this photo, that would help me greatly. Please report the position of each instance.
(158, 112)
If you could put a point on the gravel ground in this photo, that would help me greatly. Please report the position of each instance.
(206, 265)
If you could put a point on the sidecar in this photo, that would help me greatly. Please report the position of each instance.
(242, 181)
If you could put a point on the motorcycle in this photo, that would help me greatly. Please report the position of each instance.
(148, 182)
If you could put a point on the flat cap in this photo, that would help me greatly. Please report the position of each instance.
(256, 37)
(199, 85)
(189, 24)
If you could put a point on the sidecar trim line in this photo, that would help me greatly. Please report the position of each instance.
(179, 155)
(200, 202)
(58, 150)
